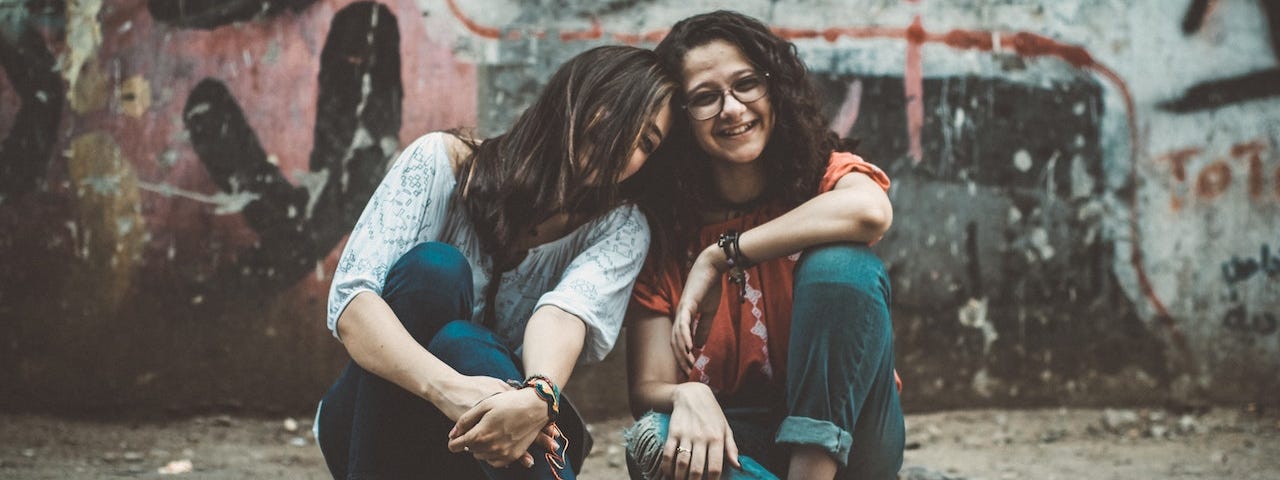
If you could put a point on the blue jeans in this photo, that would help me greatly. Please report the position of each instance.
(841, 395)
(370, 428)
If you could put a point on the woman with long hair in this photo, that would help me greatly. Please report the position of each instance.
(481, 273)
(759, 338)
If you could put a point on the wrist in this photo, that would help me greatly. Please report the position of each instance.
(688, 390)
(545, 391)
(438, 390)
(715, 257)
(530, 402)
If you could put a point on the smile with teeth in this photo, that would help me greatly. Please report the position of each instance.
(739, 130)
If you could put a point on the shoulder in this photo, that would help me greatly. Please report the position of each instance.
(626, 218)
(459, 147)
(841, 164)
(439, 146)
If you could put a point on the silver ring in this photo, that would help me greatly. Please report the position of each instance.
(680, 450)
(466, 449)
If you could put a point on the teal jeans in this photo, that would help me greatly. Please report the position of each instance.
(841, 395)
(370, 428)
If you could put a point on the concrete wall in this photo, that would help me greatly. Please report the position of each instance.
(1087, 193)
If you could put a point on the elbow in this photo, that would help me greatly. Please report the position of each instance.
(636, 402)
(876, 221)
(867, 223)
(641, 398)
(636, 410)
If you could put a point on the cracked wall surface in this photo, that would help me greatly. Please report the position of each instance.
(1087, 193)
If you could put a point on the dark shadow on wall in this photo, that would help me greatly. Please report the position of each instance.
(24, 154)
(1003, 281)
(210, 14)
(298, 226)
(1232, 90)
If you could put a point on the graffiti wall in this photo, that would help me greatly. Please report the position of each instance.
(1087, 193)
(177, 179)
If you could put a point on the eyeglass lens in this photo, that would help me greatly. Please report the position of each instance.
(709, 103)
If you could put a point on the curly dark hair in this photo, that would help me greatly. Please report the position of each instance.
(794, 158)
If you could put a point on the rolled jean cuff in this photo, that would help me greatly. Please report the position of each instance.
(820, 433)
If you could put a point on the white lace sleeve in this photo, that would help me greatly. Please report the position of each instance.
(597, 283)
(397, 214)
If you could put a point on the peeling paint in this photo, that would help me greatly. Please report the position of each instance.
(983, 384)
(1078, 227)
(974, 315)
(90, 92)
(134, 96)
(1040, 241)
(224, 203)
(1022, 160)
(109, 223)
(84, 38)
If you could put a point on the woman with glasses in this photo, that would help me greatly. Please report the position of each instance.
(482, 272)
(759, 338)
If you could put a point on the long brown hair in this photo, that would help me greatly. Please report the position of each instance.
(794, 158)
(581, 129)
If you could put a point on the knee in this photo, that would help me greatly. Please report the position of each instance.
(845, 263)
(471, 349)
(459, 340)
(840, 281)
(644, 441)
(431, 263)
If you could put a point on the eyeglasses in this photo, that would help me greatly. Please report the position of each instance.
(706, 104)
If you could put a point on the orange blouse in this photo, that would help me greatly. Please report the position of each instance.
(748, 340)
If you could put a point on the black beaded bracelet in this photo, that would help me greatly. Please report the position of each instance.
(738, 262)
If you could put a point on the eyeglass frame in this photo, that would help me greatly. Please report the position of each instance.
(723, 91)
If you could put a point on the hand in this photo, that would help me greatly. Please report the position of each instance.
(699, 438)
(699, 300)
(468, 392)
(501, 428)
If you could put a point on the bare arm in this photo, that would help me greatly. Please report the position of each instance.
(652, 374)
(576, 320)
(856, 210)
(369, 329)
(378, 342)
(697, 422)
(553, 340)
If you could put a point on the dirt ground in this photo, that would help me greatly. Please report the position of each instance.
(1238, 444)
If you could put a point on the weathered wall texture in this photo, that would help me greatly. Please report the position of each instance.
(1087, 192)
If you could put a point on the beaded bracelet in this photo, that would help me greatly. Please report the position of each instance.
(738, 262)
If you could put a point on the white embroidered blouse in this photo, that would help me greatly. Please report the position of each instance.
(588, 273)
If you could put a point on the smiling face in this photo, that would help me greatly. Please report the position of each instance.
(739, 133)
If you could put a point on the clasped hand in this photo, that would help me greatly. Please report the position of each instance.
(500, 428)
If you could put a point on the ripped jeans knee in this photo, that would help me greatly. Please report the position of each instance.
(646, 438)
(644, 441)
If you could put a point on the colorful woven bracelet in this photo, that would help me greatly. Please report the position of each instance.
(548, 392)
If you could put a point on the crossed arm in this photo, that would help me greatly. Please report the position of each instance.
(857, 209)
(496, 422)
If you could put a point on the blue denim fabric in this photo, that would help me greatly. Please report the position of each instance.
(645, 440)
(841, 394)
(369, 428)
